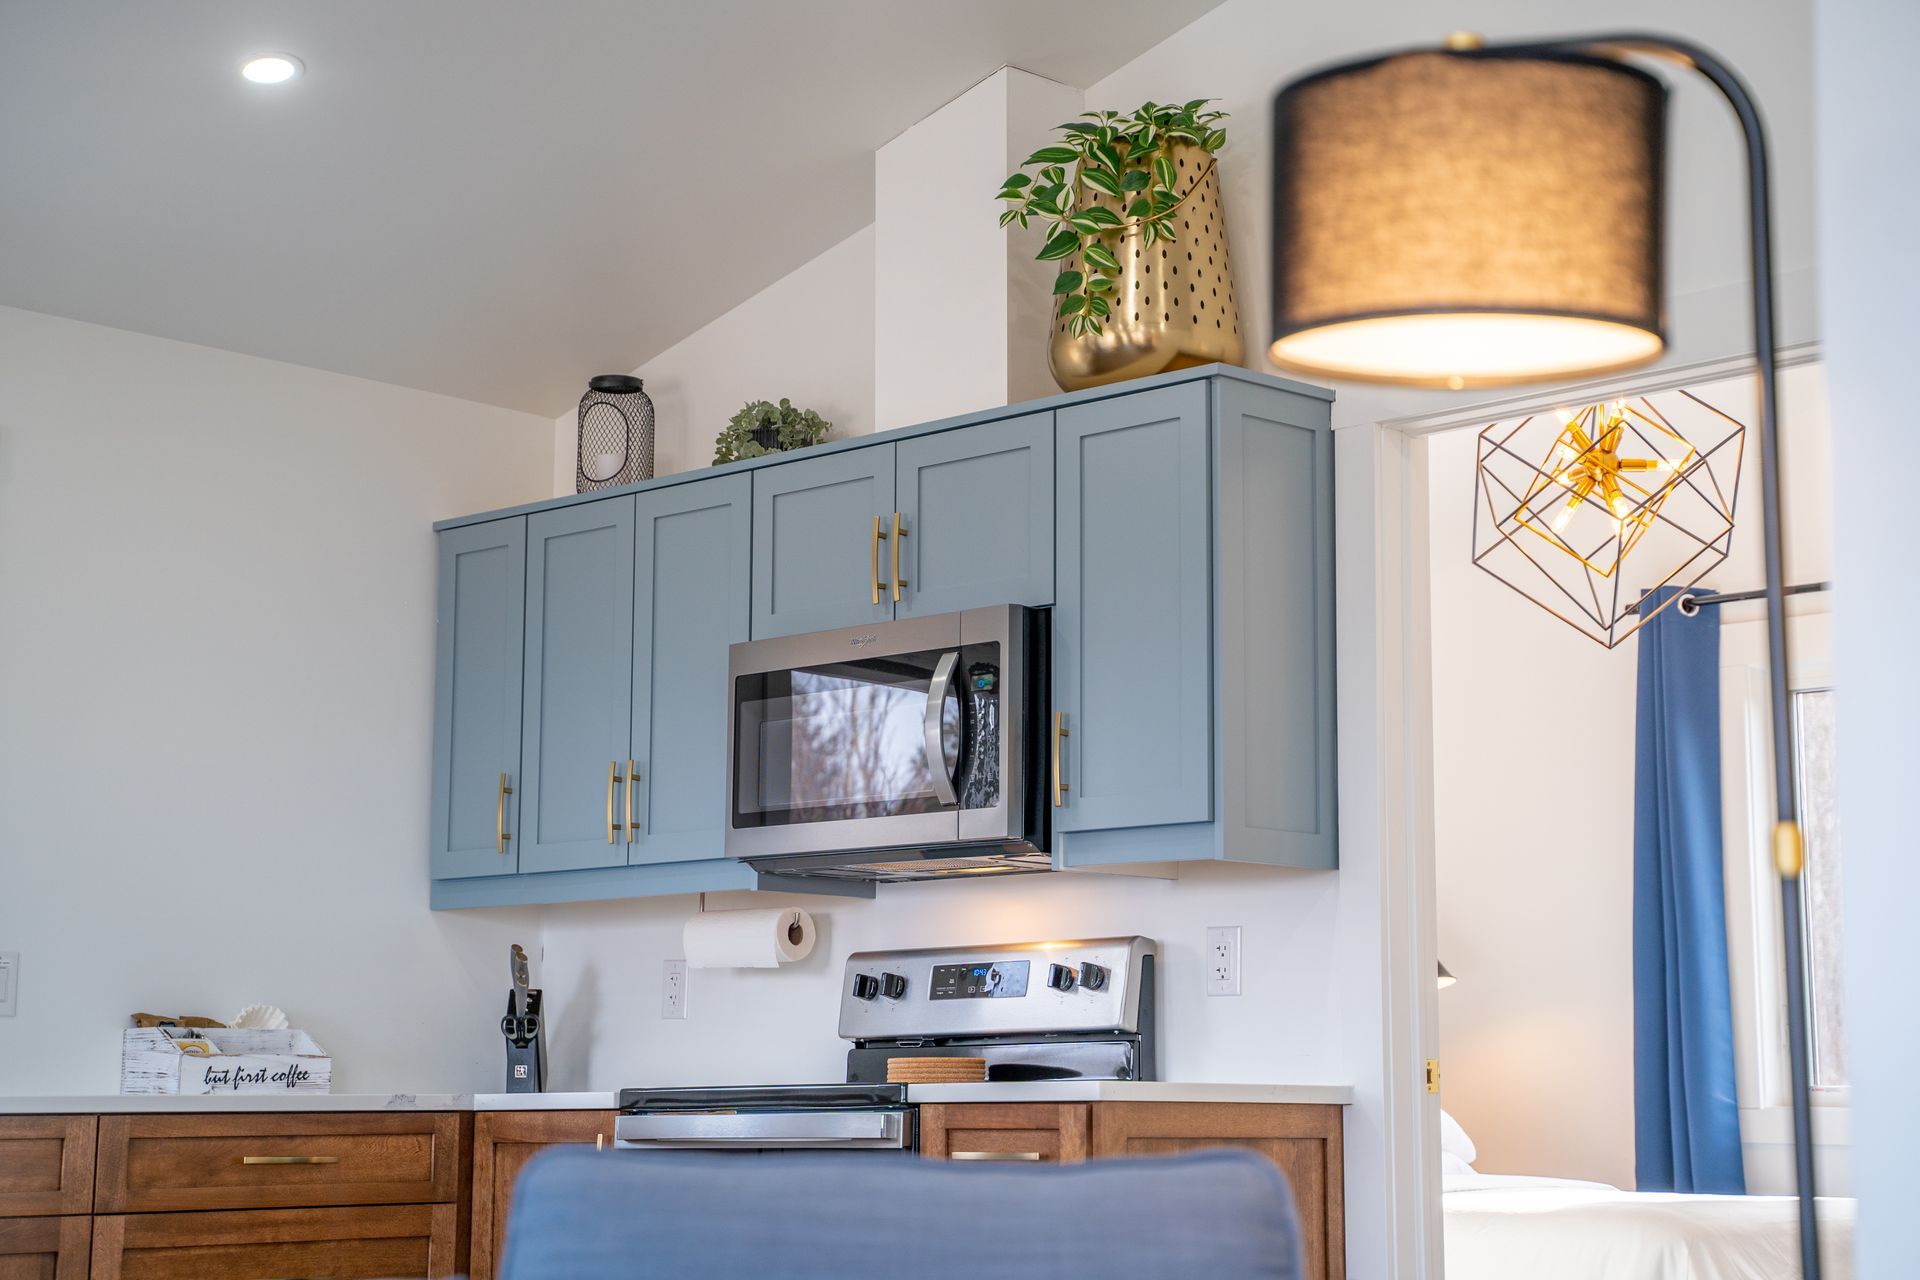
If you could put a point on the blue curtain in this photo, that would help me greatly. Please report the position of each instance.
(1686, 1115)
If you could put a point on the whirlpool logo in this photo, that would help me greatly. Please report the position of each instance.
(860, 641)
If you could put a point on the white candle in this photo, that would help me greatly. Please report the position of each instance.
(605, 466)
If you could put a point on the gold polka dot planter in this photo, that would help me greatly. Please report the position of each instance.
(1174, 304)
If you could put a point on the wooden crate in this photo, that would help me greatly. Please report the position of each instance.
(153, 1060)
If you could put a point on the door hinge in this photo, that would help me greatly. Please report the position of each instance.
(1433, 1075)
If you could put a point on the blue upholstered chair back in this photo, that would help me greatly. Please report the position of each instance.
(581, 1215)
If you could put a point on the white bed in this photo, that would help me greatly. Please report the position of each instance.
(1503, 1227)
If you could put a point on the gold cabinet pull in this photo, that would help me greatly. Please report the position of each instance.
(289, 1159)
(1059, 783)
(613, 780)
(899, 532)
(995, 1157)
(878, 533)
(633, 780)
(500, 834)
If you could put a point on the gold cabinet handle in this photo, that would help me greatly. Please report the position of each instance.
(997, 1157)
(500, 834)
(1059, 783)
(633, 780)
(289, 1159)
(613, 780)
(899, 532)
(878, 533)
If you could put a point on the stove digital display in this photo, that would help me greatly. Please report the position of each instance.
(981, 981)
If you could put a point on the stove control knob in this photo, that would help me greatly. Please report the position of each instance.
(1060, 977)
(892, 986)
(865, 986)
(1093, 977)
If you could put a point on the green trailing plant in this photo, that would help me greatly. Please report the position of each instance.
(1126, 157)
(763, 427)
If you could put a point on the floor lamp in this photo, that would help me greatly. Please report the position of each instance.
(1489, 214)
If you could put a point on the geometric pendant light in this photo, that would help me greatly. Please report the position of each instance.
(1583, 510)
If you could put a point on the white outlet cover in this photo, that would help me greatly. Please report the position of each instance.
(1220, 960)
(9, 983)
(673, 989)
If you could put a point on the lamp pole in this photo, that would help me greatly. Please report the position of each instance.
(1788, 854)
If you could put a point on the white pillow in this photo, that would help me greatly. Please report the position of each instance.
(1455, 1142)
(1451, 1164)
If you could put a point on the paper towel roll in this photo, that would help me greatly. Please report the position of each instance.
(763, 939)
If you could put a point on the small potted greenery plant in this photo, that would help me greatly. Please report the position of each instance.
(1114, 194)
(762, 427)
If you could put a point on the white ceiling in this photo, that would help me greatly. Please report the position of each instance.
(492, 199)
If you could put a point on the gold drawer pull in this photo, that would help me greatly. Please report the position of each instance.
(500, 836)
(633, 780)
(995, 1156)
(899, 532)
(613, 780)
(289, 1159)
(1059, 783)
(878, 533)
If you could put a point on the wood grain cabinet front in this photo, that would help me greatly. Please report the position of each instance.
(503, 1142)
(46, 1165)
(154, 1163)
(1037, 1132)
(44, 1248)
(340, 1243)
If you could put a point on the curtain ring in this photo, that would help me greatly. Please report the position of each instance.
(1687, 605)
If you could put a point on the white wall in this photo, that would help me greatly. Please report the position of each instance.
(1869, 131)
(216, 676)
(1533, 841)
(809, 336)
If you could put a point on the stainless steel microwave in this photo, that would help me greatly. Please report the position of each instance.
(902, 750)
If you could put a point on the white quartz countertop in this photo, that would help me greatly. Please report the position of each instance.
(1004, 1091)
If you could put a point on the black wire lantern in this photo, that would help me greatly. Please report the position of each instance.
(615, 434)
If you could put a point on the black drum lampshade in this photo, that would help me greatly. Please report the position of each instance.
(1464, 217)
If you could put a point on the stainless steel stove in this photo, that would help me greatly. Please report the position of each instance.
(1079, 1010)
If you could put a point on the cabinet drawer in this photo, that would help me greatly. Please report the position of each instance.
(46, 1165)
(1037, 1132)
(44, 1248)
(342, 1244)
(160, 1162)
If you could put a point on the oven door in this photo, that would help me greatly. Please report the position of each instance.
(762, 1131)
(899, 735)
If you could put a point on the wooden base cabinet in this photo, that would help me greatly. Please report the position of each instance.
(44, 1248)
(503, 1142)
(342, 1244)
(1303, 1140)
(46, 1165)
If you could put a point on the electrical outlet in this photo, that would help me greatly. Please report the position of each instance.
(673, 990)
(1223, 960)
(9, 983)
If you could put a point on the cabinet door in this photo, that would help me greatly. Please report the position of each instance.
(579, 698)
(818, 562)
(1303, 1140)
(1132, 635)
(1020, 1133)
(503, 1142)
(45, 1248)
(977, 508)
(46, 1165)
(343, 1244)
(692, 598)
(476, 711)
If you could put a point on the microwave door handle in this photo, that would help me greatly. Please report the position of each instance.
(936, 706)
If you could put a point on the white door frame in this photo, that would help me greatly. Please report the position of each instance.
(1386, 794)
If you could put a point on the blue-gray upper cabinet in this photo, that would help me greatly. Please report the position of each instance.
(976, 508)
(691, 573)
(579, 698)
(1132, 640)
(1193, 637)
(476, 719)
(822, 550)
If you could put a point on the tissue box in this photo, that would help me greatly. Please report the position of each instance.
(222, 1060)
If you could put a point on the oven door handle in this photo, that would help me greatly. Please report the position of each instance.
(936, 709)
(747, 1131)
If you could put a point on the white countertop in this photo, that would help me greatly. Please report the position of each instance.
(1005, 1091)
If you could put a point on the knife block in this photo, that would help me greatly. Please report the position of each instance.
(526, 1035)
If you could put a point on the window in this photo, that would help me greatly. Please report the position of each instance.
(1820, 884)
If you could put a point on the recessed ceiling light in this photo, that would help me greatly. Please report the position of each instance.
(272, 68)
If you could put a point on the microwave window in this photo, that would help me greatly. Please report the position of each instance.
(847, 740)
